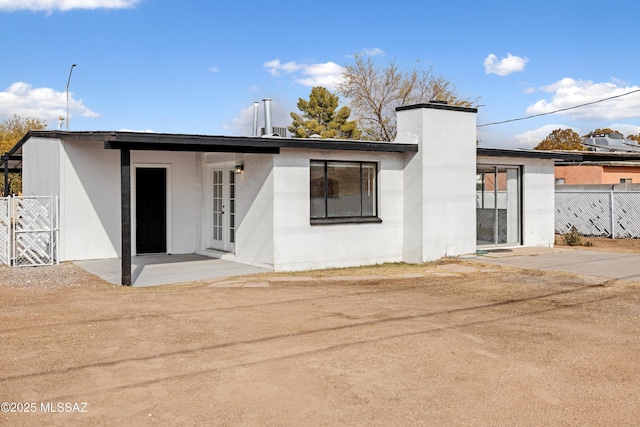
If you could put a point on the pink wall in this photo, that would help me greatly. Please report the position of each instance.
(596, 174)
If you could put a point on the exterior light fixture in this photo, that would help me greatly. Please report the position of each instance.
(239, 169)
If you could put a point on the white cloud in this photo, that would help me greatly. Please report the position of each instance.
(505, 66)
(568, 93)
(214, 69)
(373, 51)
(243, 124)
(275, 67)
(64, 5)
(42, 103)
(533, 137)
(136, 130)
(625, 128)
(327, 74)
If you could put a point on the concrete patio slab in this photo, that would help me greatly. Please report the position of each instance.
(591, 263)
(156, 270)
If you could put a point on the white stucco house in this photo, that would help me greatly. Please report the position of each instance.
(293, 204)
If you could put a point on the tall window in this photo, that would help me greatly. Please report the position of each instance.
(343, 189)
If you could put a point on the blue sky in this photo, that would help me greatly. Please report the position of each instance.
(197, 66)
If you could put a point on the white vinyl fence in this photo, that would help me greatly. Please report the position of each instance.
(598, 213)
(28, 231)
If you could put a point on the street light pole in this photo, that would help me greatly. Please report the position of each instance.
(69, 81)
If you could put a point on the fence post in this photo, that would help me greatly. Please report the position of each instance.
(57, 229)
(613, 220)
(6, 175)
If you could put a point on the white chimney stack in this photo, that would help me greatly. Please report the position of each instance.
(268, 127)
(255, 118)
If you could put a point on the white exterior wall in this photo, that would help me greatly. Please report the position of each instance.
(439, 181)
(298, 245)
(255, 210)
(253, 206)
(538, 198)
(87, 179)
(538, 203)
(42, 177)
(89, 201)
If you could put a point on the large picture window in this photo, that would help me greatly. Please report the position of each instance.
(343, 190)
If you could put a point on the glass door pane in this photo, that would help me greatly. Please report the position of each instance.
(232, 207)
(498, 205)
(512, 206)
(485, 206)
(218, 209)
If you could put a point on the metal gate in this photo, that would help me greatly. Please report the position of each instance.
(27, 231)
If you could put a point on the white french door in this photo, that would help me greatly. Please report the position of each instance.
(222, 208)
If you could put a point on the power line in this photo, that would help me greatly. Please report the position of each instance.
(558, 111)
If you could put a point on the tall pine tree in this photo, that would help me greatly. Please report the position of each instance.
(319, 117)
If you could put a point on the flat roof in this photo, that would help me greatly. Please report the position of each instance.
(209, 143)
(531, 154)
(116, 140)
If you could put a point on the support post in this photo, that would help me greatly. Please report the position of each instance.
(613, 212)
(125, 203)
(6, 175)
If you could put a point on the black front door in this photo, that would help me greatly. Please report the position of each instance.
(151, 210)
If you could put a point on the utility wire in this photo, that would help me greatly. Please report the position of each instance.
(558, 111)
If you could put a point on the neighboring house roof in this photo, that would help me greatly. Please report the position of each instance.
(602, 156)
(531, 154)
(612, 141)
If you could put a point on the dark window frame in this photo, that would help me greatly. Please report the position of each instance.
(328, 220)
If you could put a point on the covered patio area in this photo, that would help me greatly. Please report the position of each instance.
(154, 270)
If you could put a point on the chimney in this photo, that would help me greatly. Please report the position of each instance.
(268, 127)
(255, 118)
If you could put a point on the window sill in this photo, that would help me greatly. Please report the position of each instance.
(351, 220)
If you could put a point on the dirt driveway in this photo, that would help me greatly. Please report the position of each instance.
(437, 344)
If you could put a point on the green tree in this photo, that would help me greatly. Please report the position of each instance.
(321, 118)
(11, 130)
(561, 139)
(375, 93)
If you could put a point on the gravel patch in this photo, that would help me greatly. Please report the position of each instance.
(44, 277)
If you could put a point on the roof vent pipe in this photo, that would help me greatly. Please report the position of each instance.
(255, 118)
(268, 127)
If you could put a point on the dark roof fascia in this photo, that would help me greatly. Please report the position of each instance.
(208, 143)
(531, 154)
(179, 142)
(601, 156)
(437, 106)
(201, 146)
(340, 144)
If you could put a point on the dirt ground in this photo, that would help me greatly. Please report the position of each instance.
(447, 343)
